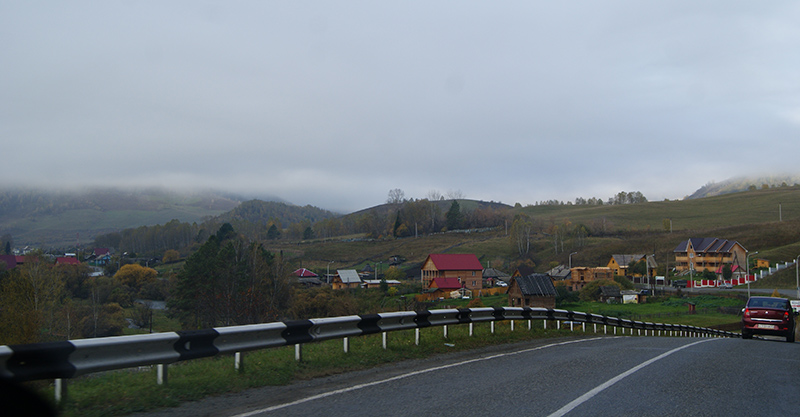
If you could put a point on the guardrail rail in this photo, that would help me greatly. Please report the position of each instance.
(69, 359)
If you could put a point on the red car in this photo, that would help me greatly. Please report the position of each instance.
(769, 316)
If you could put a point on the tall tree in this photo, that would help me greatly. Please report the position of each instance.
(230, 282)
(396, 196)
(454, 216)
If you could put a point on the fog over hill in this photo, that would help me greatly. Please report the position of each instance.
(42, 218)
(739, 184)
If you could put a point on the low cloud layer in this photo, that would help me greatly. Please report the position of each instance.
(334, 104)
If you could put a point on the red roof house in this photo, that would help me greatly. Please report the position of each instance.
(10, 262)
(67, 260)
(442, 287)
(305, 273)
(464, 267)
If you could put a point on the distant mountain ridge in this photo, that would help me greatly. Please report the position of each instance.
(739, 184)
(262, 212)
(42, 218)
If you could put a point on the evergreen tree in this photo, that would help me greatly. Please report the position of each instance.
(273, 233)
(454, 216)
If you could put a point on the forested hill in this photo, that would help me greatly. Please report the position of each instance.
(265, 212)
(60, 218)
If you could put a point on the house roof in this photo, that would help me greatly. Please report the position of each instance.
(494, 273)
(304, 273)
(734, 268)
(625, 260)
(536, 284)
(456, 262)
(10, 261)
(707, 245)
(66, 260)
(560, 272)
(610, 291)
(101, 251)
(349, 276)
(446, 283)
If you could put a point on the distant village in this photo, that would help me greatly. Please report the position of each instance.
(698, 262)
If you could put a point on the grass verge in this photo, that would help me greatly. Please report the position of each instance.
(135, 390)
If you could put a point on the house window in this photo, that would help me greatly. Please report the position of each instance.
(473, 273)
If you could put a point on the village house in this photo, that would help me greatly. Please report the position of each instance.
(464, 267)
(580, 276)
(376, 283)
(493, 277)
(709, 254)
(442, 288)
(610, 294)
(559, 273)
(345, 278)
(67, 260)
(620, 264)
(535, 290)
(7, 262)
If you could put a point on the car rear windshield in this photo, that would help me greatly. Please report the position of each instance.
(768, 303)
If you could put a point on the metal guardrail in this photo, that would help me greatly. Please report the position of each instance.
(69, 359)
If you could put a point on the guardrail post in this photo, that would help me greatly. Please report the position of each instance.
(492, 323)
(558, 324)
(471, 328)
(237, 362)
(512, 325)
(161, 373)
(544, 322)
(298, 352)
(530, 324)
(60, 390)
(384, 340)
(595, 327)
(583, 327)
(346, 344)
(605, 329)
(416, 336)
(445, 331)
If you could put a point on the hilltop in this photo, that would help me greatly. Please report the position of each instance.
(59, 219)
(48, 218)
(739, 184)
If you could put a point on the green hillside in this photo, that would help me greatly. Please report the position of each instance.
(752, 218)
(44, 218)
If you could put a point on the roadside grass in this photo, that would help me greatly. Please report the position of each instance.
(135, 390)
(785, 279)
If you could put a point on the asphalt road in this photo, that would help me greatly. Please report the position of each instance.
(603, 376)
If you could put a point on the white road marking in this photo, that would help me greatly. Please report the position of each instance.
(586, 397)
(398, 377)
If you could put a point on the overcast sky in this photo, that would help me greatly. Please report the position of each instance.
(334, 103)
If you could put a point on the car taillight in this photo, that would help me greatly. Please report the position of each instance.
(785, 316)
(747, 313)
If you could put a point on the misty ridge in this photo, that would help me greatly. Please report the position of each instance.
(42, 218)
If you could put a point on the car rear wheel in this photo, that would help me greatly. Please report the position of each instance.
(746, 334)
(790, 337)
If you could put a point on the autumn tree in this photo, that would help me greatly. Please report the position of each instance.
(522, 233)
(396, 196)
(19, 320)
(135, 276)
(171, 255)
